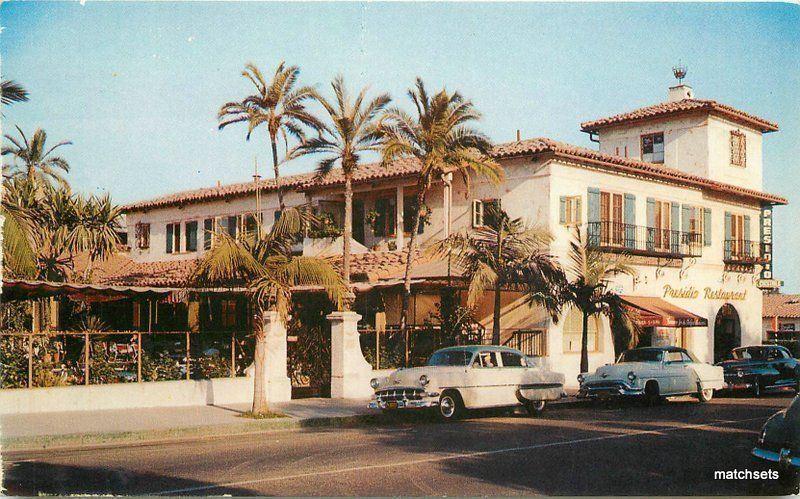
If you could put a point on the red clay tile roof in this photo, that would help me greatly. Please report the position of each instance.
(370, 172)
(219, 192)
(780, 305)
(682, 106)
(628, 165)
(121, 270)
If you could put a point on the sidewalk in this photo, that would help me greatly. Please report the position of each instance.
(59, 429)
(92, 428)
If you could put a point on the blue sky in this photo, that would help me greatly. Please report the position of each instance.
(136, 86)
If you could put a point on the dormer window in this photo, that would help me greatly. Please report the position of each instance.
(738, 149)
(653, 147)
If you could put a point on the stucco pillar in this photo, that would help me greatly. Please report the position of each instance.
(398, 230)
(277, 384)
(350, 372)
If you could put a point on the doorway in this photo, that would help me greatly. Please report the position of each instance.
(727, 332)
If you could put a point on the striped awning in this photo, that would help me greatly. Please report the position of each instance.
(649, 311)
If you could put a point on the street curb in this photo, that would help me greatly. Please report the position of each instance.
(90, 441)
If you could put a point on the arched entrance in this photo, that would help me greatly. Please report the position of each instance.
(727, 332)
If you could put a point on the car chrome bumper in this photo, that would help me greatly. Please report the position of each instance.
(783, 458)
(742, 385)
(609, 391)
(403, 404)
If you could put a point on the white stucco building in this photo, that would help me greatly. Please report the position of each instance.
(677, 186)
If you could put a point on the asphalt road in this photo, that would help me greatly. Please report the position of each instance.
(672, 449)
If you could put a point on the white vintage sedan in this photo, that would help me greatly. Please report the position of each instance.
(456, 379)
(653, 373)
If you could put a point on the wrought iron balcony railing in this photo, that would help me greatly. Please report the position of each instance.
(642, 240)
(742, 251)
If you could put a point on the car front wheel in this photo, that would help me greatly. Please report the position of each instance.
(451, 407)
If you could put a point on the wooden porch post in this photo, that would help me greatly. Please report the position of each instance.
(188, 357)
(86, 358)
(377, 349)
(30, 360)
(233, 354)
(139, 357)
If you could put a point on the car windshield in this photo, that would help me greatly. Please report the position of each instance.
(758, 353)
(450, 358)
(641, 356)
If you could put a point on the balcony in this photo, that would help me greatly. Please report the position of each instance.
(742, 251)
(640, 240)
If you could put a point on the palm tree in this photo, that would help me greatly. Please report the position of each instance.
(100, 222)
(37, 162)
(265, 263)
(350, 133)
(506, 254)
(19, 257)
(277, 105)
(13, 92)
(589, 272)
(441, 139)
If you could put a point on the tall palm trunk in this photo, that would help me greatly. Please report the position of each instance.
(412, 242)
(260, 404)
(585, 343)
(348, 233)
(275, 168)
(496, 316)
(497, 294)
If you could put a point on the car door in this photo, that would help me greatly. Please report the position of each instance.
(486, 385)
(785, 365)
(680, 376)
(515, 372)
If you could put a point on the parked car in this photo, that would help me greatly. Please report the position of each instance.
(457, 379)
(761, 368)
(652, 373)
(779, 443)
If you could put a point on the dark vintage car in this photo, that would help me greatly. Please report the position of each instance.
(761, 368)
(779, 443)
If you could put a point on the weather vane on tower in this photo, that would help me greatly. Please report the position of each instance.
(680, 72)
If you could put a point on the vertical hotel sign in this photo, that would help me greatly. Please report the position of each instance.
(766, 241)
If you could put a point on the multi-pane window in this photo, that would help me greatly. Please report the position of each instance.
(572, 332)
(385, 220)
(738, 149)
(653, 147)
(662, 227)
(173, 242)
(191, 236)
(612, 230)
(142, 235)
(571, 214)
(696, 221)
(485, 212)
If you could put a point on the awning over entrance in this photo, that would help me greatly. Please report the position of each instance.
(651, 311)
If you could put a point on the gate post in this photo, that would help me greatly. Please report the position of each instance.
(350, 372)
(277, 385)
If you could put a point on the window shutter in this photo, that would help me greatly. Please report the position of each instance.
(208, 229)
(578, 209)
(727, 226)
(562, 210)
(651, 223)
(746, 228)
(477, 213)
(706, 226)
(593, 206)
(169, 237)
(177, 238)
(674, 218)
(686, 217)
(630, 221)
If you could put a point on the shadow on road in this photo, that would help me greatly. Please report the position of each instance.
(36, 478)
(620, 449)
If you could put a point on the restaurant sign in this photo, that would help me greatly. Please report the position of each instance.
(766, 242)
(707, 293)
